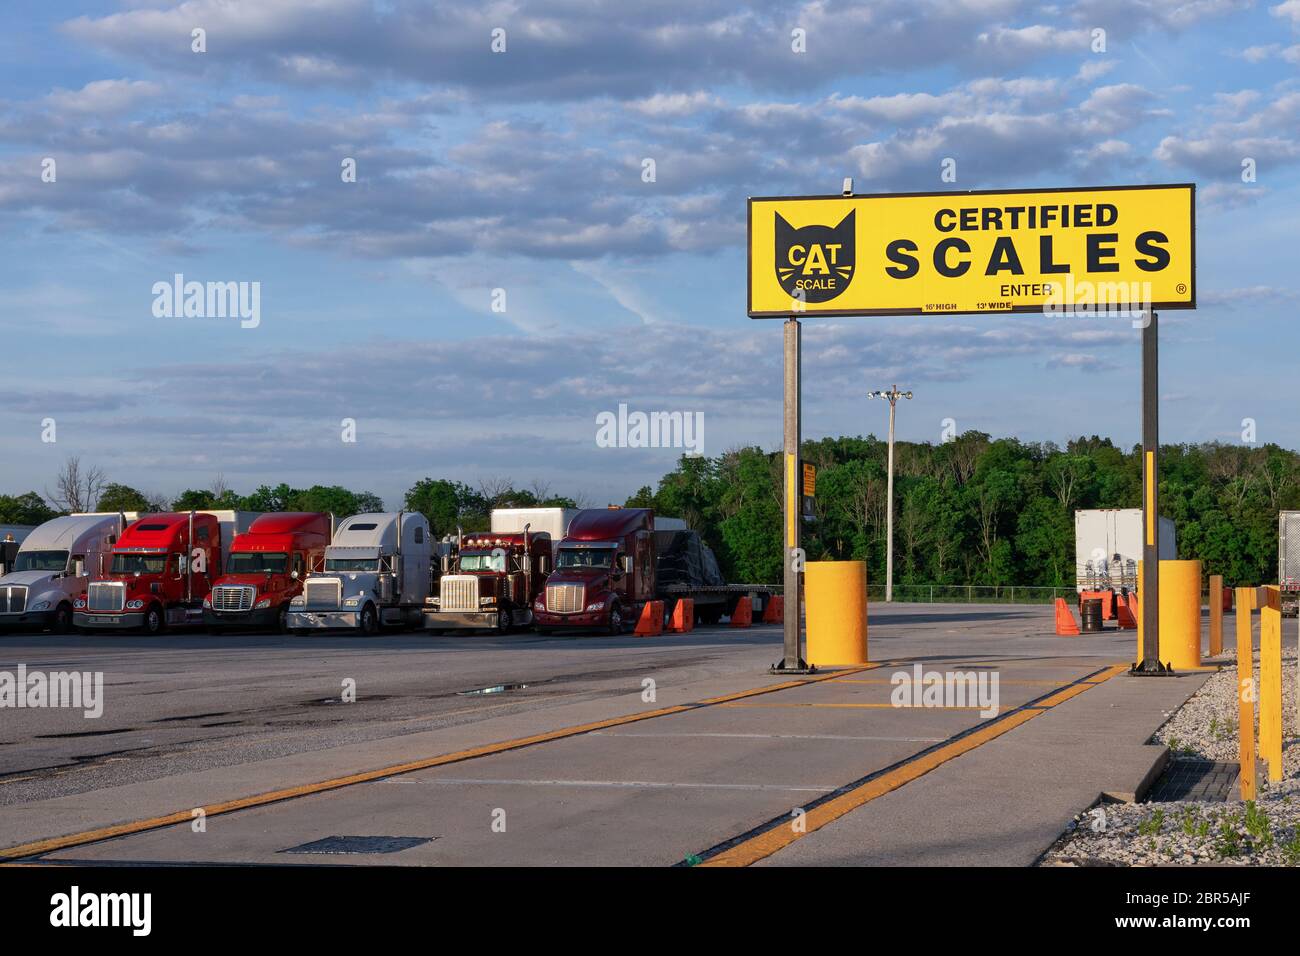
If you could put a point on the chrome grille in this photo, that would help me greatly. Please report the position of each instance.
(322, 593)
(564, 598)
(458, 593)
(233, 597)
(13, 599)
(106, 596)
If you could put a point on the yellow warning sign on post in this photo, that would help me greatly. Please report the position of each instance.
(810, 481)
(1037, 250)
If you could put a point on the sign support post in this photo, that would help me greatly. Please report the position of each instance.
(792, 662)
(1150, 664)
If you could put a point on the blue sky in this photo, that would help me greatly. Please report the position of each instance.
(521, 171)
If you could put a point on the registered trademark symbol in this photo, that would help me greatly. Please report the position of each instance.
(1182, 287)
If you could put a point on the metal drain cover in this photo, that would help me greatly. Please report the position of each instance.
(359, 844)
(1201, 780)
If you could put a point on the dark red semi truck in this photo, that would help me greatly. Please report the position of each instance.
(612, 561)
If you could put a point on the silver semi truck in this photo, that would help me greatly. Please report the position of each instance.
(376, 572)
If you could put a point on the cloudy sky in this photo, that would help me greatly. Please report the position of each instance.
(522, 171)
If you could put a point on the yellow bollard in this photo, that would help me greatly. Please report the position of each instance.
(1270, 682)
(1245, 692)
(835, 595)
(1180, 614)
(1216, 615)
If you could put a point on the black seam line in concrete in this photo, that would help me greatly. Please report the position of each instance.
(784, 819)
(7, 858)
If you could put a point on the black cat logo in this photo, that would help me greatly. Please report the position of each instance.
(815, 263)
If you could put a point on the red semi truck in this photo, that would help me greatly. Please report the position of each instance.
(490, 582)
(161, 569)
(266, 568)
(614, 560)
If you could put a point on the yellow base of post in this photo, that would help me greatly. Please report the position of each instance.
(1246, 692)
(1180, 614)
(835, 596)
(1270, 683)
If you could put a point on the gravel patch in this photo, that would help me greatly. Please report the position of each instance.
(1265, 832)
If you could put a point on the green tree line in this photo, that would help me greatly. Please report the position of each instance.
(973, 510)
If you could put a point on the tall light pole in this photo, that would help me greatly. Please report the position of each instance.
(893, 395)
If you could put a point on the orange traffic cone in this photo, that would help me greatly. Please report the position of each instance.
(1127, 621)
(743, 615)
(652, 620)
(774, 613)
(683, 616)
(1064, 619)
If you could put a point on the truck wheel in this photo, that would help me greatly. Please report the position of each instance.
(62, 623)
(154, 622)
(615, 620)
(369, 621)
(503, 622)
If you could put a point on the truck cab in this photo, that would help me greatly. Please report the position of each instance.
(160, 570)
(376, 572)
(495, 580)
(52, 569)
(265, 570)
(604, 572)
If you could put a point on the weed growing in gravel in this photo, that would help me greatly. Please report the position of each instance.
(1188, 820)
(1257, 825)
(1291, 850)
(1152, 824)
(1228, 842)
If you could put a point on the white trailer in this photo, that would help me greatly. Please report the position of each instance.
(1108, 547)
(554, 521)
(376, 572)
(54, 565)
(1288, 559)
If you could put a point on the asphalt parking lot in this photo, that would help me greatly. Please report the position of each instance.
(528, 750)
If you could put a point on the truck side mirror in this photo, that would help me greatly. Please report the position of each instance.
(626, 562)
(294, 574)
(79, 567)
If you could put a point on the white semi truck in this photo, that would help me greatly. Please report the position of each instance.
(53, 567)
(376, 572)
(1108, 547)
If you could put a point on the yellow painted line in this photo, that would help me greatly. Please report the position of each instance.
(770, 841)
(39, 847)
(1001, 682)
(862, 706)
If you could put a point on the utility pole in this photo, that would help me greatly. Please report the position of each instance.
(893, 395)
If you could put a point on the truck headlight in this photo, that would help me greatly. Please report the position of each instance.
(135, 605)
(299, 601)
(351, 602)
(40, 606)
(207, 602)
(539, 604)
(596, 606)
(483, 602)
(79, 603)
(265, 602)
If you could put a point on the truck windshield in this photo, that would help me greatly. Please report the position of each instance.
(351, 564)
(138, 564)
(483, 562)
(257, 562)
(41, 561)
(585, 558)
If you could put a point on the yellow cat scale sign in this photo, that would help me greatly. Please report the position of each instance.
(1034, 250)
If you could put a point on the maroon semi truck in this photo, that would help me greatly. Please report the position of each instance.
(490, 582)
(612, 561)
